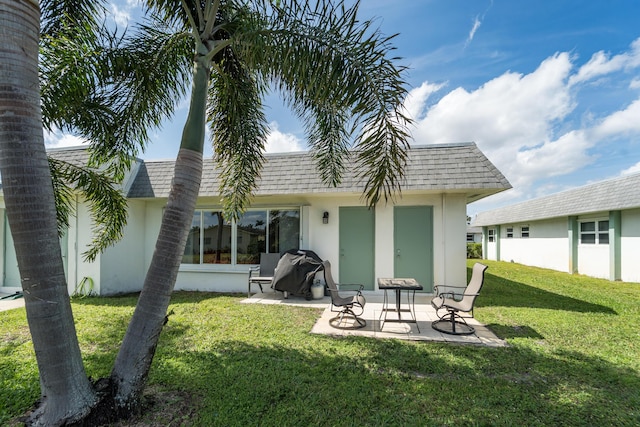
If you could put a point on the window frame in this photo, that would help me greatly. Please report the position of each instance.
(233, 264)
(491, 235)
(509, 232)
(599, 235)
(525, 231)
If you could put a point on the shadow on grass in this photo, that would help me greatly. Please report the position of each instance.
(279, 374)
(519, 331)
(131, 299)
(378, 382)
(498, 291)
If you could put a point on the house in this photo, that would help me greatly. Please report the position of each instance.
(592, 230)
(421, 234)
(474, 234)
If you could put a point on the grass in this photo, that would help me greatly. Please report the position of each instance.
(573, 359)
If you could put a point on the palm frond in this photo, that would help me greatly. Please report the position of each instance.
(107, 205)
(112, 90)
(238, 129)
(58, 15)
(338, 75)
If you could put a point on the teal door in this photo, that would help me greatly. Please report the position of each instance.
(357, 229)
(413, 244)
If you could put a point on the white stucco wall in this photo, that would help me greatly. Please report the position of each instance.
(593, 260)
(123, 267)
(630, 245)
(449, 233)
(450, 251)
(79, 239)
(449, 238)
(547, 245)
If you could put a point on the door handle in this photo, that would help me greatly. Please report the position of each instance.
(397, 252)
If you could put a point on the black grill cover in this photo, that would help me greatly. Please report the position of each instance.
(295, 272)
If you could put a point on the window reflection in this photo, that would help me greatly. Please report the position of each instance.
(217, 239)
(252, 236)
(269, 230)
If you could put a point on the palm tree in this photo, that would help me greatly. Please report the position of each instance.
(333, 70)
(82, 61)
(30, 208)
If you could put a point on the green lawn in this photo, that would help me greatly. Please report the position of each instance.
(573, 359)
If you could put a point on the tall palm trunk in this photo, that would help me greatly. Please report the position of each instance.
(28, 194)
(138, 348)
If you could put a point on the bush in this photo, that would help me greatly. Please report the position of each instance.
(474, 250)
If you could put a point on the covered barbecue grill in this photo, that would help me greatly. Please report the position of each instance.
(295, 272)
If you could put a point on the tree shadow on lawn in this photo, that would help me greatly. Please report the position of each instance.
(271, 379)
(386, 382)
(131, 299)
(498, 291)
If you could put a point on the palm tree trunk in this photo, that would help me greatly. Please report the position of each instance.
(133, 362)
(67, 394)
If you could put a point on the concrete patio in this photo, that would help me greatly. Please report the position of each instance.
(425, 314)
(7, 302)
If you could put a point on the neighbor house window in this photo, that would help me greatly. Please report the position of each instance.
(492, 235)
(524, 231)
(509, 232)
(594, 232)
(211, 238)
(469, 237)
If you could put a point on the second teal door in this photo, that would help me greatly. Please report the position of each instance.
(413, 244)
(357, 229)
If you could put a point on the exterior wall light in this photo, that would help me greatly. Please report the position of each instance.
(325, 218)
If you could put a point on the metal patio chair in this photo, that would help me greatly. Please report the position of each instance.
(263, 274)
(344, 304)
(456, 299)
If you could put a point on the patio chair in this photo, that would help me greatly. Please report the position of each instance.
(344, 304)
(263, 274)
(456, 299)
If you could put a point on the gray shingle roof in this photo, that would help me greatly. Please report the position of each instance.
(613, 194)
(452, 167)
(78, 156)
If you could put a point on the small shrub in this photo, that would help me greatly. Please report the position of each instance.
(474, 250)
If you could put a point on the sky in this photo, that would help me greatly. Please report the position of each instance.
(548, 90)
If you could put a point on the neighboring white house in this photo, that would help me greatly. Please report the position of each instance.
(474, 234)
(420, 234)
(592, 230)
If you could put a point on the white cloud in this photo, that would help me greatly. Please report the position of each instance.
(58, 140)
(601, 64)
(278, 142)
(121, 16)
(633, 169)
(521, 121)
(476, 25)
(635, 84)
(122, 11)
(415, 103)
(474, 28)
(623, 122)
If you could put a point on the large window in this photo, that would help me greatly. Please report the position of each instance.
(594, 232)
(216, 240)
(209, 240)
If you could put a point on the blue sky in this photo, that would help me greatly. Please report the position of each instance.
(549, 90)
